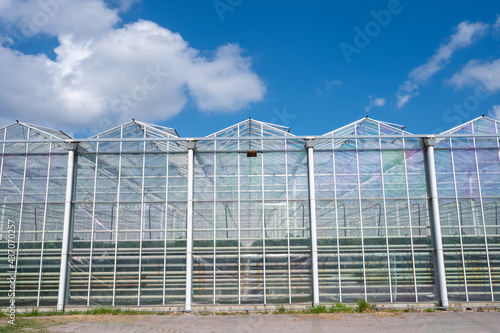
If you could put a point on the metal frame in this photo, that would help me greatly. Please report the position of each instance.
(189, 223)
(436, 222)
(312, 220)
(64, 273)
(272, 134)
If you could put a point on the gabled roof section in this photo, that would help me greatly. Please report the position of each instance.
(367, 126)
(246, 128)
(24, 131)
(19, 130)
(480, 125)
(135, 129)
(252, 127)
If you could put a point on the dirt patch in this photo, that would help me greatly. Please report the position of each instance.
(104, 318)
(387, 314)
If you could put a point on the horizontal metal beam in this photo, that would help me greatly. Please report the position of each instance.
(265, 138)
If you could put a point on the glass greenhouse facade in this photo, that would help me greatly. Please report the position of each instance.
(250, 215)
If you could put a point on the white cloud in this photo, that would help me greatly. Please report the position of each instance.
(141, 70)
(465, 35)
(406, 91)
(496, 26)
(124, 5)
(374, 102)
(81, 18)
(327, 85)
(486, 74)
(495, 112)
(330, 83)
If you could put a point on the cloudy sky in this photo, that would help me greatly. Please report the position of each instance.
(84, 66)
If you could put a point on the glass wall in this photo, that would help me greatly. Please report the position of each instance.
(251, 219)
(32, 189)
(258, 249)
(129, 220)
(373, 222)
(468, 179)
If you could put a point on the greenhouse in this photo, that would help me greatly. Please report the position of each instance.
(250, 215)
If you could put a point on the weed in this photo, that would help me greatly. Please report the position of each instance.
(430, 310)
(364, 306)
(395, 310)
(280, 309)
(73, 312)
(37, 313)
(339, 307)
(318, 308)
(27, 325)
(221, 313)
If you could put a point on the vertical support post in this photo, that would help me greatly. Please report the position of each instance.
(189, 227)
(287, 214)
(63, 275)
(166, 224)
(309, 145)
(215, 222)
(263, 215)
(436, 222)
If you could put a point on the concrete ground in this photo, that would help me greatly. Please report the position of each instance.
(455, 322)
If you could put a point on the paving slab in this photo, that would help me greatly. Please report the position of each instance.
(453, 322)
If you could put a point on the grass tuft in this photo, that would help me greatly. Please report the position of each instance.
(339, 307)
(318, 308)
(280, 309)
(364, 306)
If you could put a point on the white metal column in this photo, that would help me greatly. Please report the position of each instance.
(436, 221)
(288, 226)
(142, 219)
(166, 224)
(263, 216)
(63, 275)
(189, 224)
(312, 219)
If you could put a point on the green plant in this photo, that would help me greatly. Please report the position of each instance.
(280, 309)
(339, 307)
(111, 311)
(318, 308)
(364, 306)
(430, 310)
(395, 310)
(221, 313)
(36, 313)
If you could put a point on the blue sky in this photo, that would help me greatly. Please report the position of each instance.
(199, 66)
